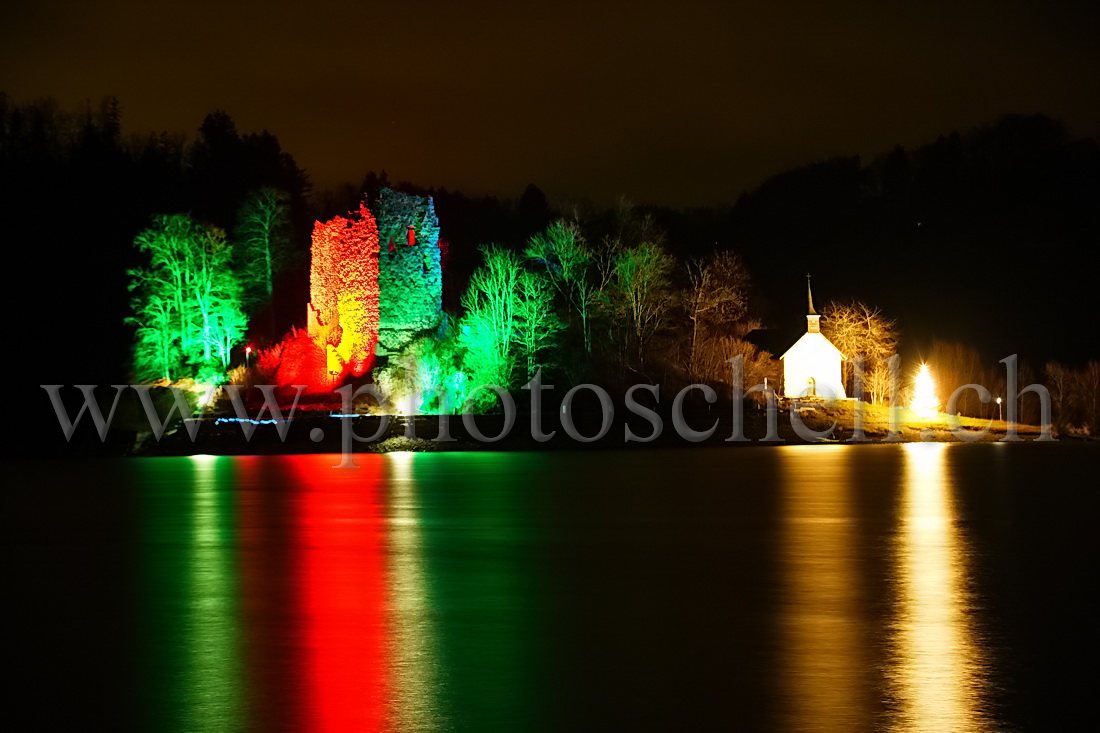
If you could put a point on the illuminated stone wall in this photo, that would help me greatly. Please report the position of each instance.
(343, 311)
(410, 276)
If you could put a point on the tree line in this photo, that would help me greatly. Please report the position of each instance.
(639, 290)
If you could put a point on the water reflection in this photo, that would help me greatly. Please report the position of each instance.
(821, 632)
(189, 629)
(938, 671)
(342, 594)
(484, 583)
(415, 593)
(413, 664)
(269, 592)
(213, 695)
(287, 595)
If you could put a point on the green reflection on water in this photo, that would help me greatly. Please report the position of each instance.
(465, 617)
(479, 536)
(191, 630)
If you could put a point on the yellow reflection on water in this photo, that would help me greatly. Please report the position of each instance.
(414, 656)
(937, 672)
(822, 638)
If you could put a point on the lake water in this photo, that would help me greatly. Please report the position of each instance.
(918, 587)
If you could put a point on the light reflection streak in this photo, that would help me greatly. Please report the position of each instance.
(213, 696)
(821, 634)
(414, 657)
(938, 671)
(342, 589)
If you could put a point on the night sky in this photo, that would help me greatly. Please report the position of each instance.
(684, 103)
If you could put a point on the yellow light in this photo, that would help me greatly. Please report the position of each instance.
(924, 403)
(936, 670)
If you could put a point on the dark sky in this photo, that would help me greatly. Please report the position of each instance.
(675, 103)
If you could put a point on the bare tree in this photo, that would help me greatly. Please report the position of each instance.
(877, 381)
(490, 303)
(536, 323)
(569, 264)
(718, 295)
(858, 329)
(634, 227)
(713, 364)
(955, 364)
(639, 290)
(1061, 382)
(263, 238)
(1088, 386)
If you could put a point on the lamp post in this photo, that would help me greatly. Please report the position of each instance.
(248, 353)
(999, 419)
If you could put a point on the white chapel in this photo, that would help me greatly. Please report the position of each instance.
(811, 368)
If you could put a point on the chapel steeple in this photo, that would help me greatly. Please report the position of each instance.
(813, 320)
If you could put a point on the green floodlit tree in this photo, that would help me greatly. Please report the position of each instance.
(262, 244)
(569, 263)
(157, 350)
(639, 290)
(536, 324)
(187, 301)
(509, 320)
(488, 327)
(426, 375)
(509, 326)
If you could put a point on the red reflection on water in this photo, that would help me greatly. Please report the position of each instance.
(266, 554)
(342, 592)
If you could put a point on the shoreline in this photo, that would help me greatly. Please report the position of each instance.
(326, 433)
(313, 431)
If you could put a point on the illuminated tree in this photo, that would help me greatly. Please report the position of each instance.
(1088, 383)
(924, 402)
(719, 295)
(509, 319)
(488, 328)
(426, 376)
(301, 360)
(639, 291)
(157, 353)
(860, 330)
(262, 243)
(187, 301)
(879, 380)
(712, 363)
(343, 287)
(536, 324)
(218, 296)
(569, 264)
